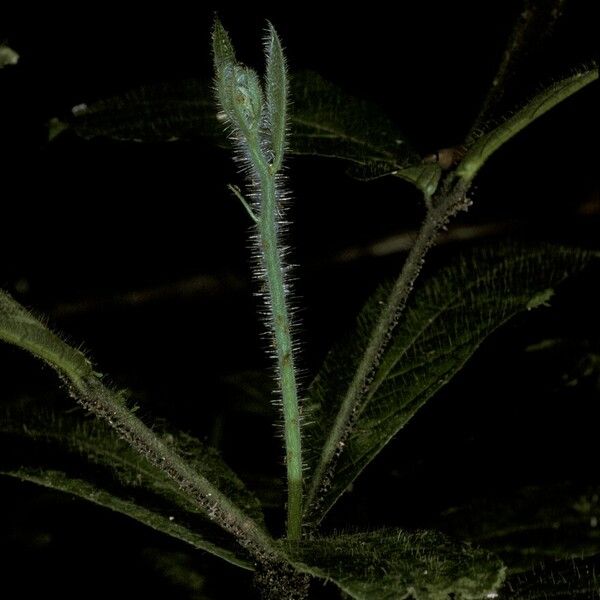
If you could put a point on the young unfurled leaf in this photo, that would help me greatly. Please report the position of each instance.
(489, 142)
(444, 323)
(386, 564)
(276, 89)
(164, 523)
(223, 51)
(238, 89)
(241, 99)
(531, 525)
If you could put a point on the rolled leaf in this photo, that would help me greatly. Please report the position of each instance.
(276, 90)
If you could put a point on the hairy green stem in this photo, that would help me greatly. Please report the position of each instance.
(258, 120)
(359, 388)
(274, 278)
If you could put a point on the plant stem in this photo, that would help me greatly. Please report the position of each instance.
(276, 291)
(258, 119)
(358, 390)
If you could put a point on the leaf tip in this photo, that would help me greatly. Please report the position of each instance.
(223, 52)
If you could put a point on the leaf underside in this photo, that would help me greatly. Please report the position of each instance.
(444, 323)
(393, 564)
(276, 91)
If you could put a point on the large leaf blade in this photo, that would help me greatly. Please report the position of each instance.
(324, 120)
(386, 564)
(276, 91)
(444, 323)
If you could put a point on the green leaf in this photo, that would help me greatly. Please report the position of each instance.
(324, 121)
(20, 328)
(445, 321)
(575, 578)
(393, 564)
(57, 480)
(328, 122)
(98, 444)
(161, 112)
(531, 525)
(276, 89)
(489, 142)
(196, 480)
(238, 88)
(223, 52)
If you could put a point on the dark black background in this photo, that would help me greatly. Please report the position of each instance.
(84, 223)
